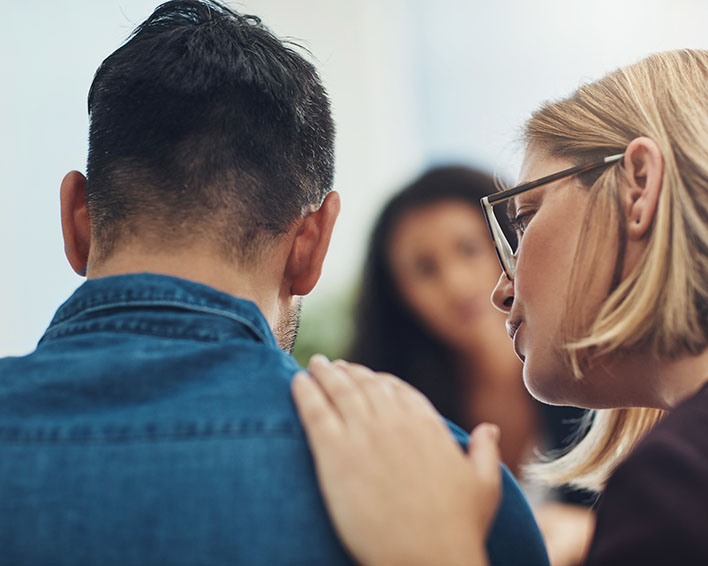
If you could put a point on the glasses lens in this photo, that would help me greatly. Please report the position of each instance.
(503, 215)
(501, 234)
(506, 239)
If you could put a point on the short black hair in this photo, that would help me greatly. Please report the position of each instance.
(204, 124)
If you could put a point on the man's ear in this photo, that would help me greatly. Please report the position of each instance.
(75, 225)
(309, 247)
(644, 173)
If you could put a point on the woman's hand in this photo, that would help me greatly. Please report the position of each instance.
(398, 487)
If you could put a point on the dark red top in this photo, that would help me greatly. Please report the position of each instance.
(655, 507)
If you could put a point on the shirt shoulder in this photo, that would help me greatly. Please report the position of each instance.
(654, 508)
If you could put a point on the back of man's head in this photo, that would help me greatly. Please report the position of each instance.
(204, 126)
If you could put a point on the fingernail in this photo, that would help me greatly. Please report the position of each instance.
(301, 375)
(319, 359)
(492, 431)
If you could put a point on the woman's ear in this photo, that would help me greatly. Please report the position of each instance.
(310, 245)
(75, 225)
(643, 180)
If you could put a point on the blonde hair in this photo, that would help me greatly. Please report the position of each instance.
(663, 303)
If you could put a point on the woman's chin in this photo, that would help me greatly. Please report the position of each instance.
(548, 387)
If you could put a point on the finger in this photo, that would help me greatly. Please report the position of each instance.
(387, 393)
(338, 385)
(483, 453)
(394, 387)
(320, 419)
(410, 398)
(376, 389)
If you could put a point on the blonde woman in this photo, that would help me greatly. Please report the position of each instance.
(606, 300)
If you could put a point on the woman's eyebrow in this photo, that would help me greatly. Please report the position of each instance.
(532, 196)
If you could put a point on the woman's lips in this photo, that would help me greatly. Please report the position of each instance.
(512, 327)
(513, 330)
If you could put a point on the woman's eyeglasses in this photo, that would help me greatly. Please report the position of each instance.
(505, 252)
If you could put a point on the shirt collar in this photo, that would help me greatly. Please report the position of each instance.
(151, 290)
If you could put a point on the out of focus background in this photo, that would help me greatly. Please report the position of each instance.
(413, 84)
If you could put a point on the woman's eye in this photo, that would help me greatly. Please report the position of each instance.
(423, 268)
(468, 247)
(521, 221)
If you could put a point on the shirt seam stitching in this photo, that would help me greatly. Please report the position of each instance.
(207, 310)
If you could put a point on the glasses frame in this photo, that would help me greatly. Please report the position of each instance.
(506, 256)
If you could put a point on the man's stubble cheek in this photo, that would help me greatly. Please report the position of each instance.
(287, 327)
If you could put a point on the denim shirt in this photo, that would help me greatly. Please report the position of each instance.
(154, 424)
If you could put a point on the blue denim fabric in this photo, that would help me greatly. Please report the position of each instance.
(154, 425)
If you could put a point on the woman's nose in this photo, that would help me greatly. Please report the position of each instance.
(457, 279)
(503, 294)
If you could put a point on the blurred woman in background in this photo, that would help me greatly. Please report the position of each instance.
(424, 313)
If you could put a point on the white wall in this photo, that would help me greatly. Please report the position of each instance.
(412, 83)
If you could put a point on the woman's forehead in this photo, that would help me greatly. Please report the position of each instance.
(425, 222)
(538, 163)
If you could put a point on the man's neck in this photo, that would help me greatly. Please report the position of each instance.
(201, 265)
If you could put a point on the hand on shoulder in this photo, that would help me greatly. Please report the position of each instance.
(397, 485)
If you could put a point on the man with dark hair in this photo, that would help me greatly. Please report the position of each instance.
(154, 423)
